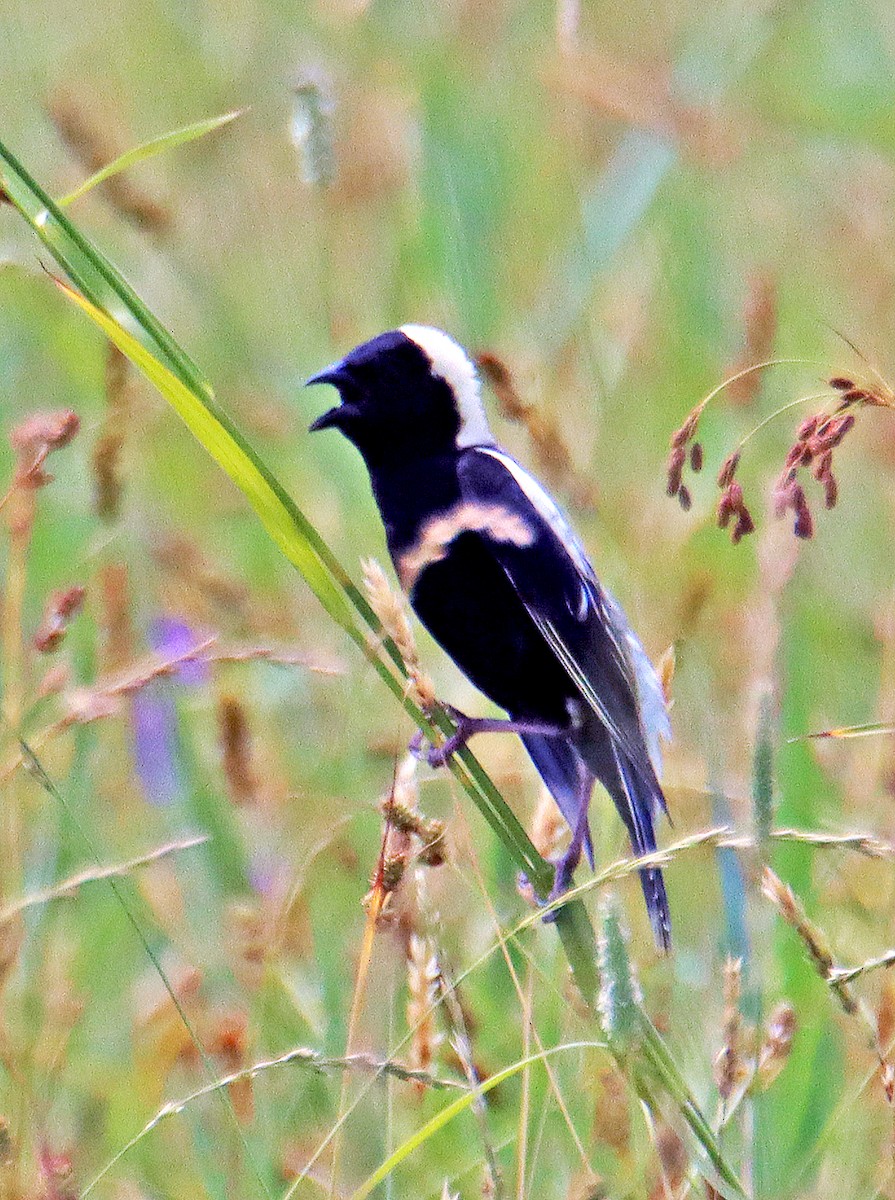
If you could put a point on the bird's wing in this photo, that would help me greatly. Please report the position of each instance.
(583, 625)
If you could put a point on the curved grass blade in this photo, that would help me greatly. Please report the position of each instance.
(105, 286)
(230, 455)
(454, 1109)
(138, 154)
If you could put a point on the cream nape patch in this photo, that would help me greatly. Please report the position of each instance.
(452, 364)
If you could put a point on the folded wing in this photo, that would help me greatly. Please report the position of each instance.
(617, 688)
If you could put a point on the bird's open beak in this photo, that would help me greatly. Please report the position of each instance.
(331, 374)
(329, 419)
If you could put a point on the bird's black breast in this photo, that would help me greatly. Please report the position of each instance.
(471, 608)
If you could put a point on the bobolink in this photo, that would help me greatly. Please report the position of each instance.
(498, 577)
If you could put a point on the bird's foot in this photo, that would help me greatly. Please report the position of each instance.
(438, 755)
(466, 727)
(562, 881)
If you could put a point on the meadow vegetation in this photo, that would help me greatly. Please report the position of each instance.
(249, 947)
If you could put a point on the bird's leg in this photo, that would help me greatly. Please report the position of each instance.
(565, 868)
(467, 727)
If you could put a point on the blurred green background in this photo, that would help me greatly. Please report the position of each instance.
(626, 204)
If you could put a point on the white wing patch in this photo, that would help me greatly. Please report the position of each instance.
(452, 364)
(546, 507)
(440, 531)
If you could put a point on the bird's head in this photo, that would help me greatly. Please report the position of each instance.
(412, 390)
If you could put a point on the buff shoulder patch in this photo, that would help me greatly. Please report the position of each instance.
(437, 534)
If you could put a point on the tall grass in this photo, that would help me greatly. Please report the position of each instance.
(202, 736)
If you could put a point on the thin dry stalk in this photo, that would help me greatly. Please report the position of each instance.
(472, 857)
(759, 331)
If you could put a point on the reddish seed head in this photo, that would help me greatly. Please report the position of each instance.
(60, 609)
(745, 525)
(831, 490)
(684, 498)
(840, 384)
(804, 526)
(807, 428)
(676, 462)
(857, 396)
(731, 502)
(696, 457)
(682, 436)
(838, 429)
(45, 429)
(728, 469)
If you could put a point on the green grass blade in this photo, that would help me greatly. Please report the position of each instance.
(653, 1050)
(207, 428)
(157, 145)
(98, 279)
(452, 1110)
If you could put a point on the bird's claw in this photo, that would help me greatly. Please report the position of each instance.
(415, 745)
(439, 755)
(562, 881)
(435, 756)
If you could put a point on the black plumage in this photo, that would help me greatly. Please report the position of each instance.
(497, 576)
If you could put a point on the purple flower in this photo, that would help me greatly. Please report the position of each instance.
(154, 712)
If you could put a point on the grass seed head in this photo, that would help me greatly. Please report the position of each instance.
(236, 750)
(777, 1044)
(729, 1066)
(35, 439)
(423, 985)
(391, 609)
(60, 610)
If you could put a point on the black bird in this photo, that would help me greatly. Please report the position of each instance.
(497, 576)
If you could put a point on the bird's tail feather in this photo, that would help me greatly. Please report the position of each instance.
(563, 771)
(637, 805)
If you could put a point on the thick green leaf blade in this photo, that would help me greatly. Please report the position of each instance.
(228, 454)
(98, 279)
